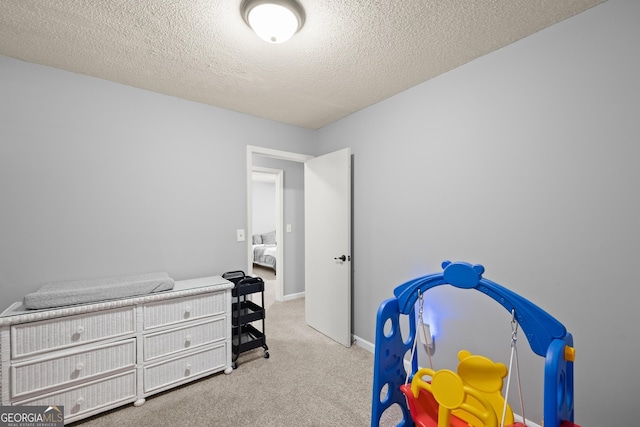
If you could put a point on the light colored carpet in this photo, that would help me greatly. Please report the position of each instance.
(264, 272)
(309, 380)
(269, 278)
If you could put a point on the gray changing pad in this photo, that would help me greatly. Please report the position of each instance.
(61, 294)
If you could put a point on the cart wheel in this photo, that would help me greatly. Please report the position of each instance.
(266, 354)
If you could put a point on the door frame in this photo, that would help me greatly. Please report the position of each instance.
(274, 154)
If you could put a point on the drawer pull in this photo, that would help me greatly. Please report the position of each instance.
(80, 401)
(187, 311)
(79, 330)
(187, 339)
(188, 367)
(80, 366)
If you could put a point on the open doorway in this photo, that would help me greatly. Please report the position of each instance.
(289, 167)
(267, 219)
(325, 235)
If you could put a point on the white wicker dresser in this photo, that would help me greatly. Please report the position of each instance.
(93, 357)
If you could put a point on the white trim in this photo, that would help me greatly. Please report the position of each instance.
(249, 225)
(277, 154)
(370, 347)
(294, 296)
(529, 423)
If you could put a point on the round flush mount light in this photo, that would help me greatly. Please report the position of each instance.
(274, 21)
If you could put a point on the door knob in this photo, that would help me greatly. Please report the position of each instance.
(342, 258)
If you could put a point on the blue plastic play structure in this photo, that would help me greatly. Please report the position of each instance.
(546, 336)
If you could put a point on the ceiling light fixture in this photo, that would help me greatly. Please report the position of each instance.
(274, 21)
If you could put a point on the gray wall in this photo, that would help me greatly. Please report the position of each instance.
(99, 179)
(526, 161)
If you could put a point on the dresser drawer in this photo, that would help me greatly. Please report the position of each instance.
(174, 340)
(37, 337)
(183, 309)
(39, 374)
(184, 368)
(90, 397)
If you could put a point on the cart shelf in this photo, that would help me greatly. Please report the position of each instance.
(248, 339)
(244, 312)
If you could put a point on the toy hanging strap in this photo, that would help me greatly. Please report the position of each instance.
(417, 337)
(415, 341)
(423, 329)
(514, 352)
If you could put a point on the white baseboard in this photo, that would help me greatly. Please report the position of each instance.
(364, 344)
(293, 296)
(518, 418)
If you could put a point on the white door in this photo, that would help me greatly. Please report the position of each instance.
(327, 215)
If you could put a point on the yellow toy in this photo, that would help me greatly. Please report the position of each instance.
(471, 397)
(482, 374)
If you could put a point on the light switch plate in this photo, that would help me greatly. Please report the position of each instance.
(240, 235)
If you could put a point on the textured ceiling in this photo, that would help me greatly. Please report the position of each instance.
(350, 53)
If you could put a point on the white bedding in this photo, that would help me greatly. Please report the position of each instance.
(265, 255)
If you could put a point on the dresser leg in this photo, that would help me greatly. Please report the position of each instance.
(139, 402)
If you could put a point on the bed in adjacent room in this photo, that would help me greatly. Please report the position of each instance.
(264, 249)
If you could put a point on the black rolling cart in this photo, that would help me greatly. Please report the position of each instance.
(244, 312)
